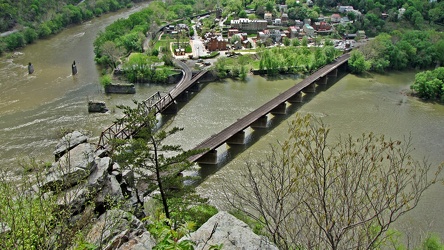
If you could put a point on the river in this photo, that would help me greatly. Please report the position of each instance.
(35, 109)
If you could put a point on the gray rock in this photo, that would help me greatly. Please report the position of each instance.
(71, 168)
(68, 142)
(4, 228)
(74, 199)
(110, 193)
(141, 242)
(223, 228)
(99, 172)
(114, 228)
(97, 107)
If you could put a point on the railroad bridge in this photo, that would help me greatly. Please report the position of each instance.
(235, 134)
(164, 103)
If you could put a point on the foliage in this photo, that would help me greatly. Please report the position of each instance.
(142, 68)
(430, 84)
(317, 194)
(167, 237)
(404, 49)
(105, 80)
(357, 62)
(157, 164)
(295, 59)
(43, 18)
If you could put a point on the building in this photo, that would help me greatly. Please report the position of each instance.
(277, 21)
(309, 30)
(284, 19)
(294, 31)
(232, 32)
(335, 18)
(245, 24)
(268, 17)
(214, 42)
(361, 34)
(343, 9)
(283, 8)
(322, 26)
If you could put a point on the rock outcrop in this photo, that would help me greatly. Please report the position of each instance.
(224, 228)
(89, 185)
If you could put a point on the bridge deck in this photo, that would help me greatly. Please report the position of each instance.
(216, 140)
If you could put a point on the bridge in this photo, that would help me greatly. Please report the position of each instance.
(157, 103)
(234, 134)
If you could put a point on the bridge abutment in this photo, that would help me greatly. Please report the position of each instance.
(281, 109)
(208, 158)
(237, 139)
(260, 123)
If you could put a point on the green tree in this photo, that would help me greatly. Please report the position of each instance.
(430, 84)
(314, 193)
(146, 154)
(357, 62)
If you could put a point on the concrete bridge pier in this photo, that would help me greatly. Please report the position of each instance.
(237, 139)
(260, 123)
(322, 80)
(333, 73)
(310, 88)
(195, 87)
(280, 109)
(296, 98)
(208, 158)
(170, 109)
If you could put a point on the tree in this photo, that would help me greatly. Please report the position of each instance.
(316, 194)
(147, 156)
(357, 62)
(112, 52)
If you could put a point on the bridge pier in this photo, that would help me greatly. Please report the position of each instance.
(296, 98)
(170, 109)
(208, 158)
(184, 97)
(280, 109)
(310, 88)
(195, 87)
(333, 73)
(322, 80)
(261, 122)
(237, 139)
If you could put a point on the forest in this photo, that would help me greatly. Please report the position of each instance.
(31, 20)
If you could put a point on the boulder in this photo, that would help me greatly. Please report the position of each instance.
(97, 107)
(68, 142)
(99, 172)
(110, 193)
(71, 168)
(116, 227)
(141, 242)
(223, 228)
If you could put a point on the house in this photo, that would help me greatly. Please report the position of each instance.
(293, 31)
(361, 34)
(335, 18)
(268, 17)
(179, 52)
(343, 9)
(309, 30)
(283, 8)
(263, 35)
(277, 21)
(182, 26)
(247, 44)
(401, 12)
(309, 3)
(232, 32)
(322, 26)
(237, 45)
(284, 18)
(298, 23)
(276, 35)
